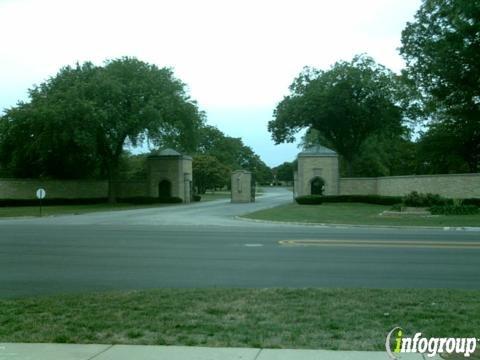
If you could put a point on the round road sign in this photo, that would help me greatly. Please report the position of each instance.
(41, 193)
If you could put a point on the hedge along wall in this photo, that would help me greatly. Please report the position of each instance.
(68, 189)
(449, 185)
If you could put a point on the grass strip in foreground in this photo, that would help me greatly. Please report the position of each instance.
(338, 319)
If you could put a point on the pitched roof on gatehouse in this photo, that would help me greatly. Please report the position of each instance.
(317, 150)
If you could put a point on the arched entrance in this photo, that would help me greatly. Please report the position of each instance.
(317, 186)
(164, 189)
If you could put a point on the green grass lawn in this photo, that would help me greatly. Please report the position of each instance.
(344, 319)
(355, 213)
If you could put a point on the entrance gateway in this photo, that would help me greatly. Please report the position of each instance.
(317, 172)
(169, 174)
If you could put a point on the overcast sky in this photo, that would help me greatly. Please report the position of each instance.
(237, 57)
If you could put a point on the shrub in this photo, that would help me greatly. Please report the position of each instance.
(309, 199)
(471, 201)
(416, 199)
(454, 209)
(367, 199)
(197, 198)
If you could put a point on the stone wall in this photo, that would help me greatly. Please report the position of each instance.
(448, 185)
(358, 186)
(56, 189)
(126, 189)
(68, 189)
(452, 186)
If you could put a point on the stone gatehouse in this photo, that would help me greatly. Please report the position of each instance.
(169, 173)
(317, 167)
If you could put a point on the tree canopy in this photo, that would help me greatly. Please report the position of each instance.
(284, 171)
(442, 51)
(345, 104)
(209, 173)
(81, 119)
(439, 150)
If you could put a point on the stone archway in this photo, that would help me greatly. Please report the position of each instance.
(317, 186)
(164, 189)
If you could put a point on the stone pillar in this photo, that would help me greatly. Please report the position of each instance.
(242, 186)
(187, 188)
(295, 185)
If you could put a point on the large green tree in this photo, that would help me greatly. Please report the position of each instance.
(228, 150)
(262, 172)
(209, 173)
(442, 51)
(51, 135)
(439, 151)
(345, 104)
(284, 172)
(87, 114)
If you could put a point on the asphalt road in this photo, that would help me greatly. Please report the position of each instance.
(137, 250)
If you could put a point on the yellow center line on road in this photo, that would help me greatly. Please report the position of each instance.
(383, 243)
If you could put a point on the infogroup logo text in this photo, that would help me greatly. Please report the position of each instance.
(430, 346)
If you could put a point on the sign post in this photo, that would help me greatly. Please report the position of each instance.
(41, 193)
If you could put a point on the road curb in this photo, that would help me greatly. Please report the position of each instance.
(44, 351)
(346, 226)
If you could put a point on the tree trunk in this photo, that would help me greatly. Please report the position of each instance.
(112, 182)
(112, 194)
